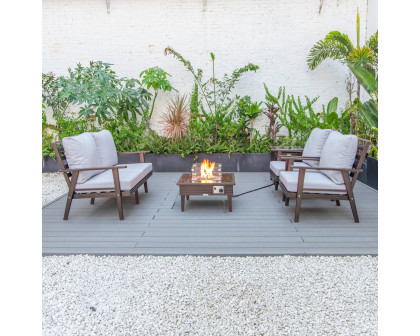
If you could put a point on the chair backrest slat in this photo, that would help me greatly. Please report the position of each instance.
(61, 158)
(361, 156)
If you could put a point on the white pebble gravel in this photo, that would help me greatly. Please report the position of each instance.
(150, 295)
(53, 187)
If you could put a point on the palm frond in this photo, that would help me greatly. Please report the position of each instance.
(372, 43)
(342, 41)
(335, 45)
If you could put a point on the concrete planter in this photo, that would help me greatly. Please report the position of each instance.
(255, 162)
(49, 165)
(370, 173)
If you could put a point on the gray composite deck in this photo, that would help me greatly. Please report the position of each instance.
(260, 224)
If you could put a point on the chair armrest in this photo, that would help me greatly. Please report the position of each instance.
(140, 153)
(310, 158)
(288, 150)
(336, 169)
(86, 169)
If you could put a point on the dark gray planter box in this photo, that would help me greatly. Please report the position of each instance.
(255, 162)
(370, 173)
(49, 165)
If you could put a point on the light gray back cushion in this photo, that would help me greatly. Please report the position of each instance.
(81, 152)
(339, 152)
(106, 148)
(315, 144)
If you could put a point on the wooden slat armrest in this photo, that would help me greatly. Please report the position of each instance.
(288, 150)
(144, 152)
(310, 158)
(336, 169)
(86, 169)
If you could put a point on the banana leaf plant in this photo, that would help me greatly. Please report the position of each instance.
(368, 79)
(332, 118)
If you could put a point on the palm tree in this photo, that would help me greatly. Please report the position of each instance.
(338, 46)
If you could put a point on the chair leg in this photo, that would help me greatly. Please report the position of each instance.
(92, 200)
(136, 195)
(145, 187)
(68, 205)
(286, 201)
(351, 196)
(337, 202)
(284, 197)
(70, 194)
(297, 210)
(299, 194)
(116, 177)
(188, 197)
(276, 185)
(120, 208)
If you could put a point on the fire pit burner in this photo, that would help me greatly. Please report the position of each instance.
(206, 172)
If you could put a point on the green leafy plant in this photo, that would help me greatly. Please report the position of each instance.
(132, 99)
(250, 110)
(157, 79)
(47, 136)
(213, 110)
(94, 88)
(98, 91)
(51, 97)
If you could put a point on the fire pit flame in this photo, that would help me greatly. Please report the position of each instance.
(207, 172)
(206, 169)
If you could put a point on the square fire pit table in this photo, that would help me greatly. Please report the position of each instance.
(206, 187)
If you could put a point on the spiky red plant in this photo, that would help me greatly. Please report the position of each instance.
(176, 119)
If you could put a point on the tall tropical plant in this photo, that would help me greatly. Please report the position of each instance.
(212, 98)
(250, 110)
(369, 109)
(338, 46)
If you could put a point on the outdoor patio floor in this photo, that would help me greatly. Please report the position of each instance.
(260, 223)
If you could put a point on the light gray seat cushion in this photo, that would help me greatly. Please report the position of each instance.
(312, 181)
(106, 148)
(81, 152)
(129, 177)
(339, 152)
(278, 166)
(315, 144)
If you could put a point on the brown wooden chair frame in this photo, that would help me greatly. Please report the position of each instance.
(279, 156)
(70, 175)
(362, 151)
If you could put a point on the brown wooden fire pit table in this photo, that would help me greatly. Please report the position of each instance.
(221, 187)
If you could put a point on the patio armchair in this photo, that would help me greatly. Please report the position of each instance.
(89, 162)
(308, 157)
(339, 166)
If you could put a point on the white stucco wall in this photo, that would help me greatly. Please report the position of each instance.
(274, 34)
